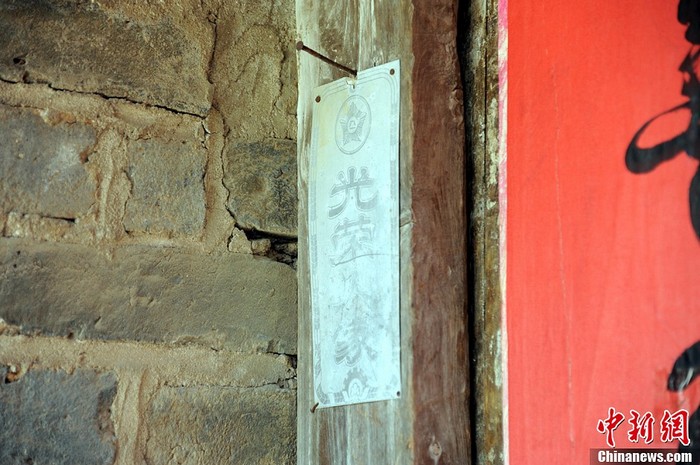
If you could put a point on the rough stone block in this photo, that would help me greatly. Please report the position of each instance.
(222, 425)
(43, 165)
(167, 187)
(255, 68)
(233, 301)
(149, 53)
(261, 179)
(57, 418)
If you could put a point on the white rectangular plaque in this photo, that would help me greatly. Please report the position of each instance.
(354, 238)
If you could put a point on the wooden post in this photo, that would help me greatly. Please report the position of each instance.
(430, 423)
(478, 50)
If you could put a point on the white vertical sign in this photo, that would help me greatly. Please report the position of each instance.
(354, 238)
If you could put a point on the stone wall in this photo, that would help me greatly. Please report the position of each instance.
(148, 216)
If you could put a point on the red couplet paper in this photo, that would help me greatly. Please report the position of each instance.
(602, 291)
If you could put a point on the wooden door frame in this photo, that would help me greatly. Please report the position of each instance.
(432, 421)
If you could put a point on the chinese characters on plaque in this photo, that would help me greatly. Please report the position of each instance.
(354, 238)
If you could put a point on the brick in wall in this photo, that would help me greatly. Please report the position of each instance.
(261, 178)
(207, 425)
(139, 293)
(57, 418)
(43, 165)
(167, 187)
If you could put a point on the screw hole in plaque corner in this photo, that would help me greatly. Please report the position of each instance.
(398, 393)
(392, 71)
(318, 98)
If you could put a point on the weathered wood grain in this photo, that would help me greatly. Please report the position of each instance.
(440, 376)
(479, 57)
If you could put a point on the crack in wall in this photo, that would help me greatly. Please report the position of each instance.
(277, 244)
(28, 81)
(22, 106)
(213, 18)
(128, 197)
(60, 218)
(283, 384)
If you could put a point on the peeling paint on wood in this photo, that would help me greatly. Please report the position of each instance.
(479, 50)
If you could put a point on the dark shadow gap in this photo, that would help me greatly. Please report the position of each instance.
(463, 47)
